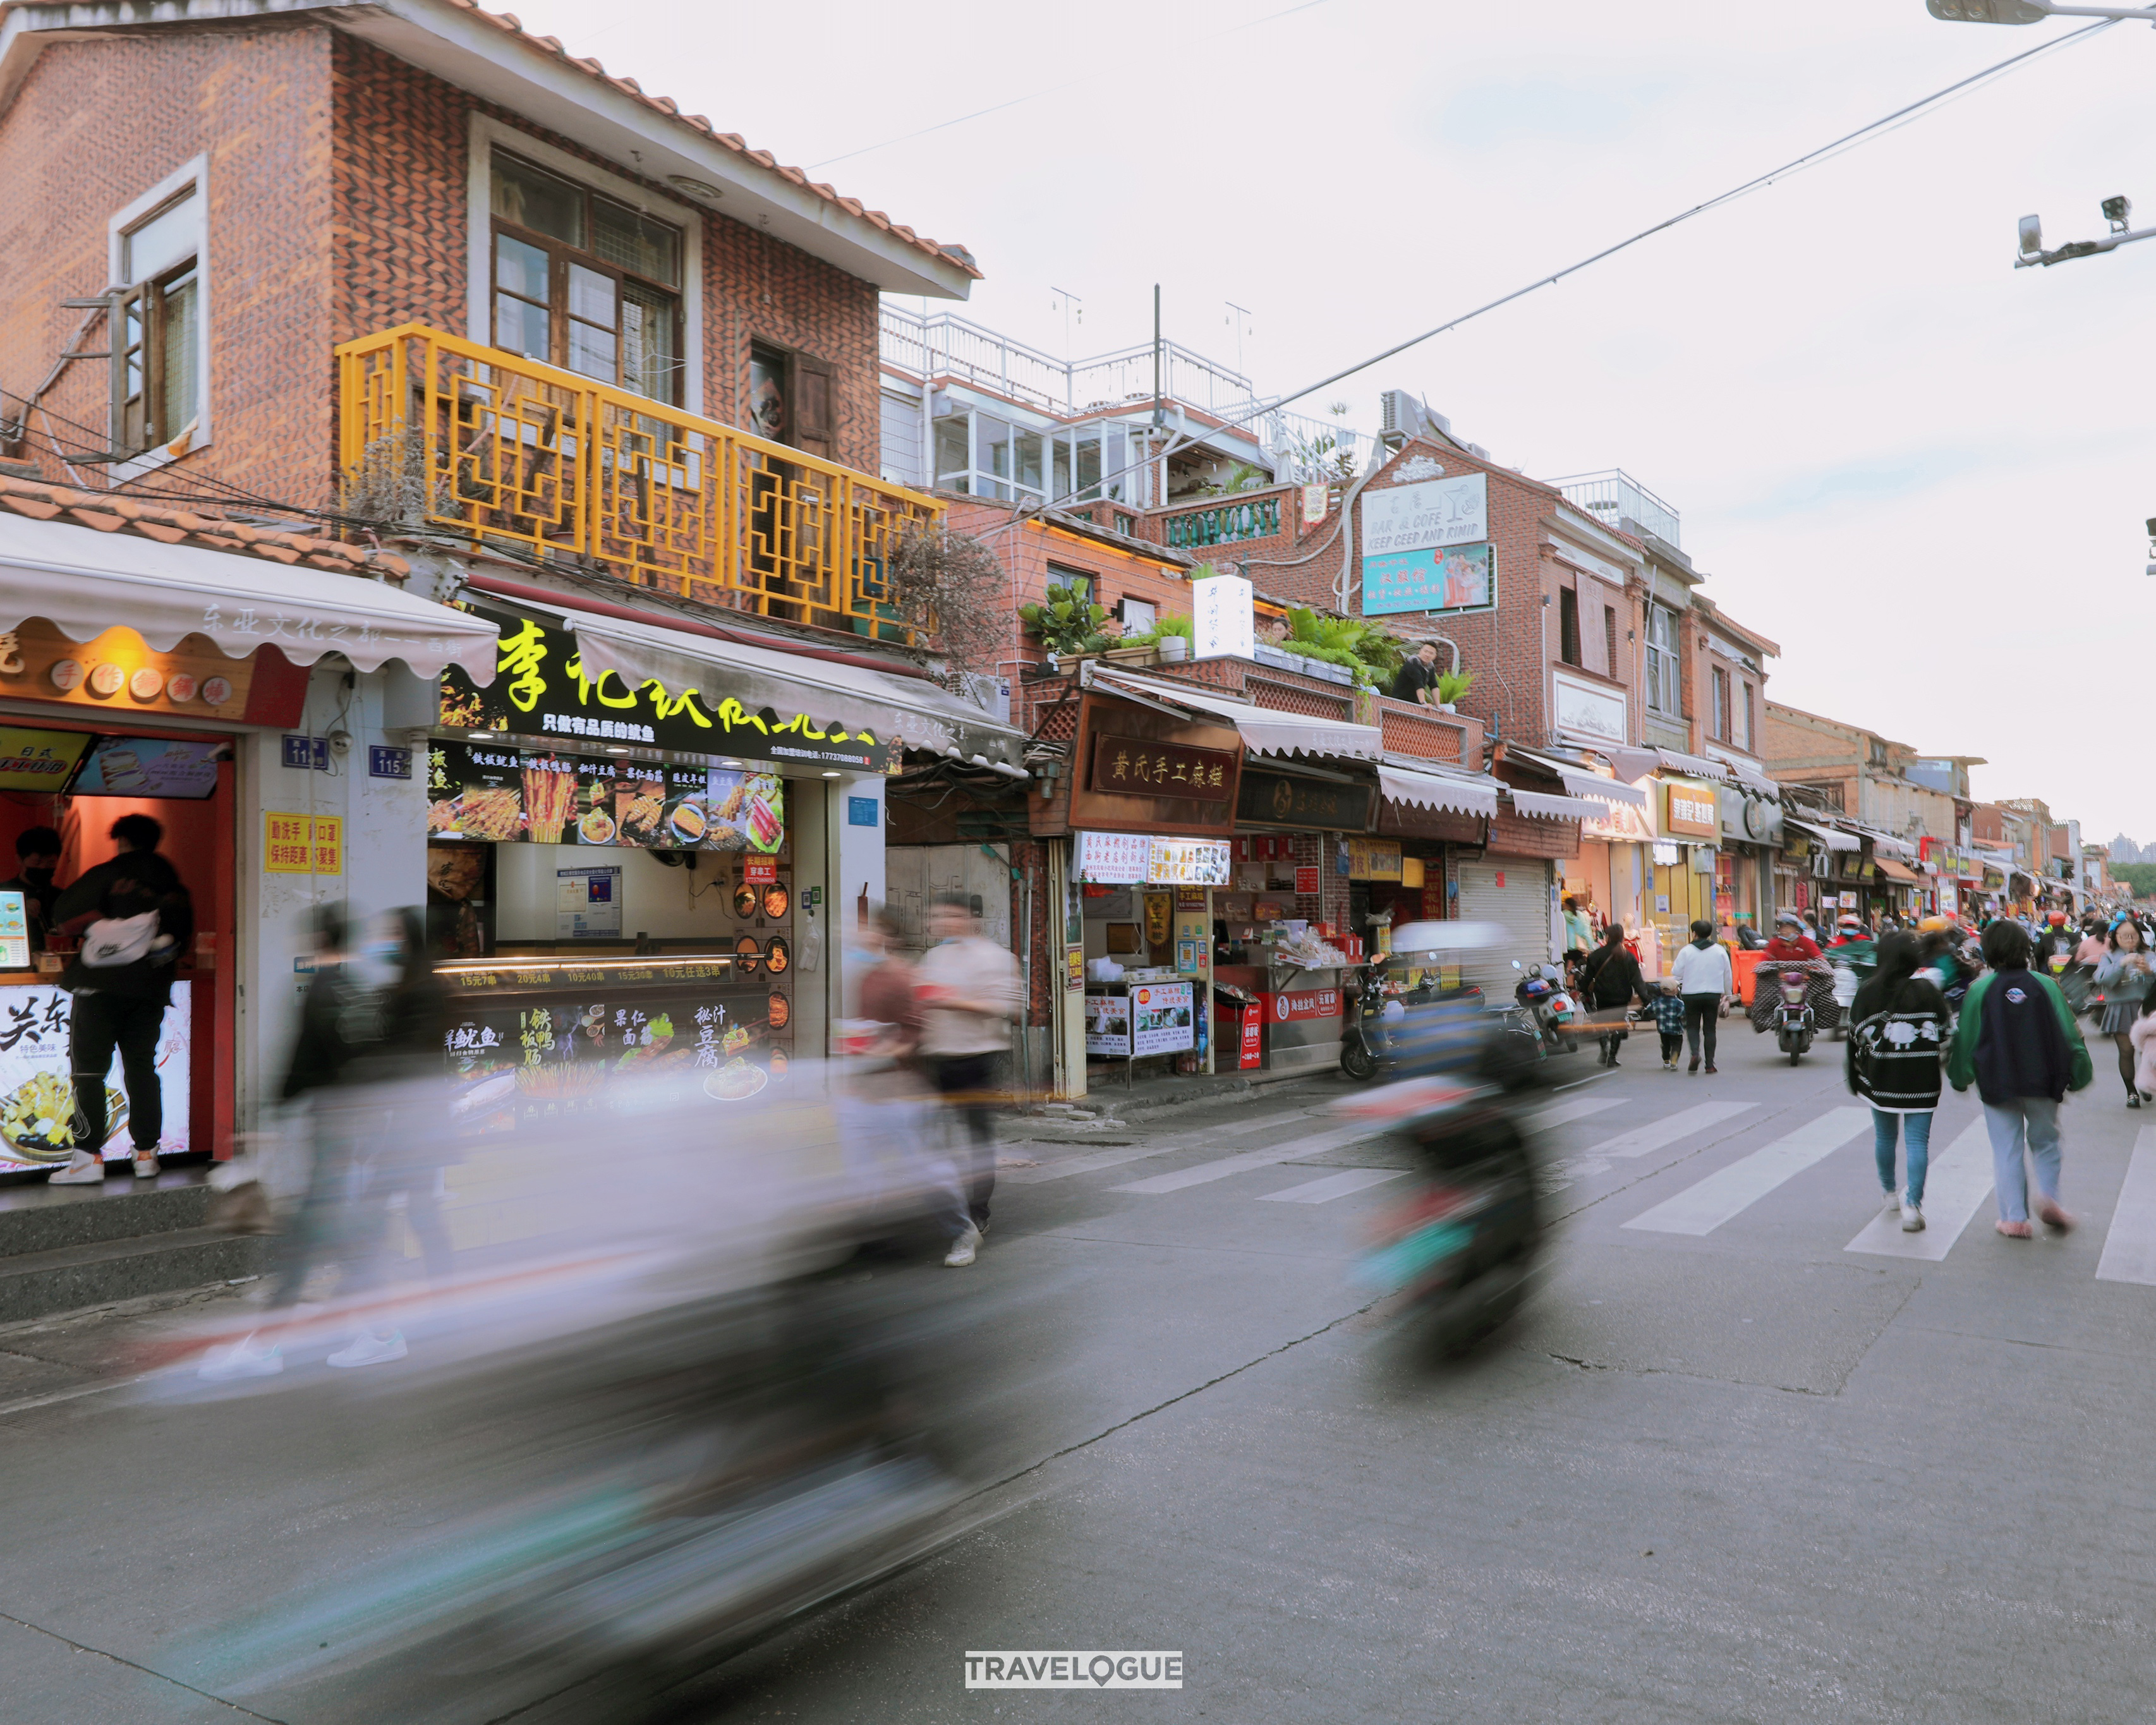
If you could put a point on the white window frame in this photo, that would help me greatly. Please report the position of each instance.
(485, 135)
(192, 175)
(1662, 664)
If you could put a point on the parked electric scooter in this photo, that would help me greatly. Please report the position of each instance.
(1371, 1008)
(1541, 991)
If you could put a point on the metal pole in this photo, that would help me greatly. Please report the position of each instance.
(1157, 419)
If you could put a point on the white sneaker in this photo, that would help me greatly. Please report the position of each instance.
(963, 1249)
(1912, 1218)
(146, 1167)
(85, 1170)
(368, 1349)
(1893, 1200)
(243, 1358)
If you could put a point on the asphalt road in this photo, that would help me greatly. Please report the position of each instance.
(1747, 1456)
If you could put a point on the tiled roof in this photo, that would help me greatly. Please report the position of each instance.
(509, 23)
(110, 513)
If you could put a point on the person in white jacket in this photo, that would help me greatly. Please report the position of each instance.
(1705, 978)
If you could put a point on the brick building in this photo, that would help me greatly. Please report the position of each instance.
(261, 183)
(412, 281)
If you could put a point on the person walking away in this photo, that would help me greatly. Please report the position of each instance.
(400, 1143)
(887, 1101)
(2124, 976)
(136, 918)
(1898, 1033)
(1612, 981)
(37, 860)
(336, 1021)
(1670, 1021)
(2020, 1046)
(970, 990)
(1704, 976)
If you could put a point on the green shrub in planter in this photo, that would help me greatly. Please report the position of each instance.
(1065, 622)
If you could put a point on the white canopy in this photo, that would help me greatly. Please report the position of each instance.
(1833, 840)
(1548, 807)
(1750, 777)
(1438, 790)
(1637, 764)
(1583, 782)
(1264, 732)
(83, 582)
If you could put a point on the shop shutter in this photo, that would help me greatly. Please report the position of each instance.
(1520, 907)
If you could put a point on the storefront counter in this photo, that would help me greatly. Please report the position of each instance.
(1304, 1011)
(528, 1038)
(37, 1098)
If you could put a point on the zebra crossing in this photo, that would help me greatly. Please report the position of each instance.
(1959, 1185)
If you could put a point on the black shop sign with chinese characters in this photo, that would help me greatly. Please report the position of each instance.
(1133, 767)
(542, 689)
(1280, 799)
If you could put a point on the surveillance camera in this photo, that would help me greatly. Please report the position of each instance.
(2032, 235)
(2151, 526)
(2116, 210)
(340, 743)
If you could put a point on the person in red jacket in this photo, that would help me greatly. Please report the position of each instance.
(1790, 940)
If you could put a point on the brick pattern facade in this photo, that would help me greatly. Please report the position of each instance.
(96, 125)
(338, 207)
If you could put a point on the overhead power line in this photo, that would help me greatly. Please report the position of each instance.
(1824, 153)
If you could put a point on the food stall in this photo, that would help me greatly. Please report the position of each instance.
(1148, 900)
(79, 782)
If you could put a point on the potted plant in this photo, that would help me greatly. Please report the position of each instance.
(1174, 639)
(1065, 622)
(1450, 687)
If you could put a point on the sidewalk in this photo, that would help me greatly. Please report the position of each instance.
(1150, 1097)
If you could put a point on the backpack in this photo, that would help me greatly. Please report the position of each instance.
(112, 942)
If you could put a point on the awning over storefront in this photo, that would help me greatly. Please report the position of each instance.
(1264, 732)
(1431, 789)
(85, 582)
(1543, 807)
(1891, 871)
(1750, 777)
(1637, 764)
(1581, 782)
(918, 714)
(1828, 836)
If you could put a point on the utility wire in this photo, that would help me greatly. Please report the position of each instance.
(1032, 95)
(1811, 158)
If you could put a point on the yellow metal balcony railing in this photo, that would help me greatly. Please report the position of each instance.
(514, 453)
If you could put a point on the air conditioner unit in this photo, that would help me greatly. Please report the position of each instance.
(1401, 417)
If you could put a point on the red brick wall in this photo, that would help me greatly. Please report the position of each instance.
(403, 146)
(96, 124)
(1027, 551)
(338, 207)
(1503, 648)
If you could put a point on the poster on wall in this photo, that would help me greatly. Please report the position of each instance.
(37, 1097)
(151, 767)
(1460, 578)
(588, 903)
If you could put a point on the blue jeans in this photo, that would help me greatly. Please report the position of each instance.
(1883, 1126)
(2037, 1118)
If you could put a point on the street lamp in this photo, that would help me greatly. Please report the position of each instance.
(2116, 211)
(2027, 11)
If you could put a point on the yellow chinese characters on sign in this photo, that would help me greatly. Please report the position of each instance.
(302, 843)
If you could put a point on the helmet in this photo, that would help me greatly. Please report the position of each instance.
(2057, 919)
(1536, 988)
(1789, 919)
(1855, 924)
(1935, 924)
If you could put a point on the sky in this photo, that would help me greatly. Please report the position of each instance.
(1921, 472)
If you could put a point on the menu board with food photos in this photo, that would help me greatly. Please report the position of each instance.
(37, 1095)
(503, 796)
(526, 1047)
